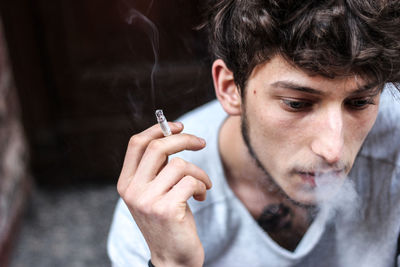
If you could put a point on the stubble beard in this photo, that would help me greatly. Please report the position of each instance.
(267, 179)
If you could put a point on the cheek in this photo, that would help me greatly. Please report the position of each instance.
(273, 119)
(359, 127)
(269, 125)
(278, 133)
(357, 130)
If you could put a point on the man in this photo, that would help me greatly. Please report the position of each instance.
(300, 84)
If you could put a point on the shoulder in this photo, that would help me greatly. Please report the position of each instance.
(205, 122)
(204, 118)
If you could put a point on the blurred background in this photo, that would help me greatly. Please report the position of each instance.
(77, 79)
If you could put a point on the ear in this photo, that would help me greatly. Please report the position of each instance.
(225, 88)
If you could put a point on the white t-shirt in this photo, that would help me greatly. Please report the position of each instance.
(232, 238)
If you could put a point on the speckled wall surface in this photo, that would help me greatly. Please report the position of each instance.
(13, 156)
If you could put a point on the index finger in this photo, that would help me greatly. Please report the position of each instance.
(138, 144)
(158, 151)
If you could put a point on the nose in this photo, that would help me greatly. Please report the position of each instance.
(328, 140)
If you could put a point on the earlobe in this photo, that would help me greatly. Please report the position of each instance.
(226, 90)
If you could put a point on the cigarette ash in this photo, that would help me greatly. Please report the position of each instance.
(162, 121)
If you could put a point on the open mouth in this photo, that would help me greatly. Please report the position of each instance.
(318, 178)
(308, 178)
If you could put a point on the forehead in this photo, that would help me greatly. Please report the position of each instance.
(278, 73)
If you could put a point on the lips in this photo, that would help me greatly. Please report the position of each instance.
(311, 177)
(308, 178)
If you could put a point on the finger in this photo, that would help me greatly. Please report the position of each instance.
(187, 187)
(174, 171)
(137, 146)
(138, 143)
(158, 151)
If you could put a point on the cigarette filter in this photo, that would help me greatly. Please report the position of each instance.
(162, 121)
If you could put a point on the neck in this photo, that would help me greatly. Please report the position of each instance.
(240, 167)
(241, 170)
(285, 222)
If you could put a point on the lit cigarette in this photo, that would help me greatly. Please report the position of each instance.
(163, 122)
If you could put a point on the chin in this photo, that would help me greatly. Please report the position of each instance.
(306, 197)
(306, 201)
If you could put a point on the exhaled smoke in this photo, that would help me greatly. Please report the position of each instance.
(340, 202)
(138, 19)
(337, 195)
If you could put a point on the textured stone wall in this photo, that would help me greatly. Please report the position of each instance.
(13, 157)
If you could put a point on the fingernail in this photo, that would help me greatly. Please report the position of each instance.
(202, 141)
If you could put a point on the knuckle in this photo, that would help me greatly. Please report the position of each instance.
(178, 163)
(155, 145)
(129, 199)
(159, 210)
(120, 189)
(189, 181)
(146, 206)
(141, 205)
(202, 186)
(137, 140)
(124, 187)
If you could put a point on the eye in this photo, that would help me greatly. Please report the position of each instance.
(295, 105)
(360, 103)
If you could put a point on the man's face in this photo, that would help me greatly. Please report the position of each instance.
(300, 127)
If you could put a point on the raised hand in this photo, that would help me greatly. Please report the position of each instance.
(156, 192)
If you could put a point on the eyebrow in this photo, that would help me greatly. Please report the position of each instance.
(373, 88)
(298, 87)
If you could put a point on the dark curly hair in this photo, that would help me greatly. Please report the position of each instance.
(323, 37)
